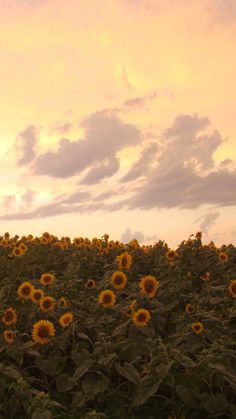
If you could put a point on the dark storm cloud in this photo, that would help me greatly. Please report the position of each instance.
(25, 146)
(105, 135)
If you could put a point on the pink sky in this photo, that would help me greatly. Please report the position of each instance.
(118, 116)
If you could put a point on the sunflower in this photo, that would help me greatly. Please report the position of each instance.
(44, 240)
(118, 280)
(149, 285)
(66, 319)
(90, 283)
(8, 336)
(205, 277)
(223, 257)
(141, 317)
(36, 295)
(22, 247)
(47, 278)
(17, 251)
(197, 327)
(132, 305)
(134, 244)
(198, 235)
(107, 298)
(10, 316)
(47, 235)
(124, 261)
(170, 255)
(42, 331)
(4, 243)
(232, 288)
(47, 304)
(189, 309)
(63, 302)
(25, 290)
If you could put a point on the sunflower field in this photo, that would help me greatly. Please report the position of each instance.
(102, 329)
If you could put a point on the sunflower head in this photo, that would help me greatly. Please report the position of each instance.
(47, 279)
(170, 255)
(197, 327)
(47, 304)
(124, 261)
(90, 283)
(149, 286)
(198, 235)
(141, 317)
(118, 280)
(232, 288)
(4, 242)
(10, 316)
(107, 298)
(223, 257)
(44, 240)
(42, 331)
(17, 251)
(66, 319)
(205, 277)
(9, 336)
(63, 302)
(189, 309)
(25, 290)
(36, 295)
(22, 247)
(47, 235)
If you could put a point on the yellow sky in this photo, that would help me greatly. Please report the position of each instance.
(63, 61)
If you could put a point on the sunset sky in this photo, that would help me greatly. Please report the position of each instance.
(118, 117)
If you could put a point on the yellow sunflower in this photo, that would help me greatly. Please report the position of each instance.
(36, 295)
(4, 243)
(124, 261)
(17, 251)
(189, 309)
(22, 247)
(107, 298)
(47, 278)
(25, 290)
(205, 277)
(47, 304)
(118, 280)
(42, 331)
(10, 316)
(232, 288)
(223, 257)
(43, 240)
(90, 283)
(170, 255)
(66, 319)
(197, 327)
(141, 317)
(47, 235)
(8, 336)
(149, 285)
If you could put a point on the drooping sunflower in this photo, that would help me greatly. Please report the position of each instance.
(47, 304)
(47, 279)
(198, 235)
(141, 317)
(90, 283)
(9, 336)
(197, 327)
(42, 331)
(10, 316)
(149, 286)
(36, 295)
(189, 309)
(118, 280)
(66, 319)
(124, 261)
(223, 257)
(25, 290)
(170, 255)
(232, 288)
(107, 298)
(16, 251)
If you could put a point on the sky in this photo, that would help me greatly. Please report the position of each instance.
(118, 117)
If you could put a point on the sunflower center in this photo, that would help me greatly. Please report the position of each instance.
(47, 303)
(90, 284)
(197, 328)
(37, 295)
(118, 279)
(107, 298)
(46, 279)
(149, 285)
(43, 331)
(17, 251)
(9, 316)
(141, 317)
(124, 261)
(233, 288)
(26, 290)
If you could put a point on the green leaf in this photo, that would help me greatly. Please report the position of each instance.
(93, 384)
(128, 371)
(40, 414)
(64, 383)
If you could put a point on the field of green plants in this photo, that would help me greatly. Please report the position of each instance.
(101, 329)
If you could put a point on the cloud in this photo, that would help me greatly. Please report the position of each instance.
(63, 128)
(25, 146)
(142, 165)
(124, 78)
(186, 126)
(128, 235)
(28, 198)
(222, 11)
(207, 221)
(105, 135)
(101, 171)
